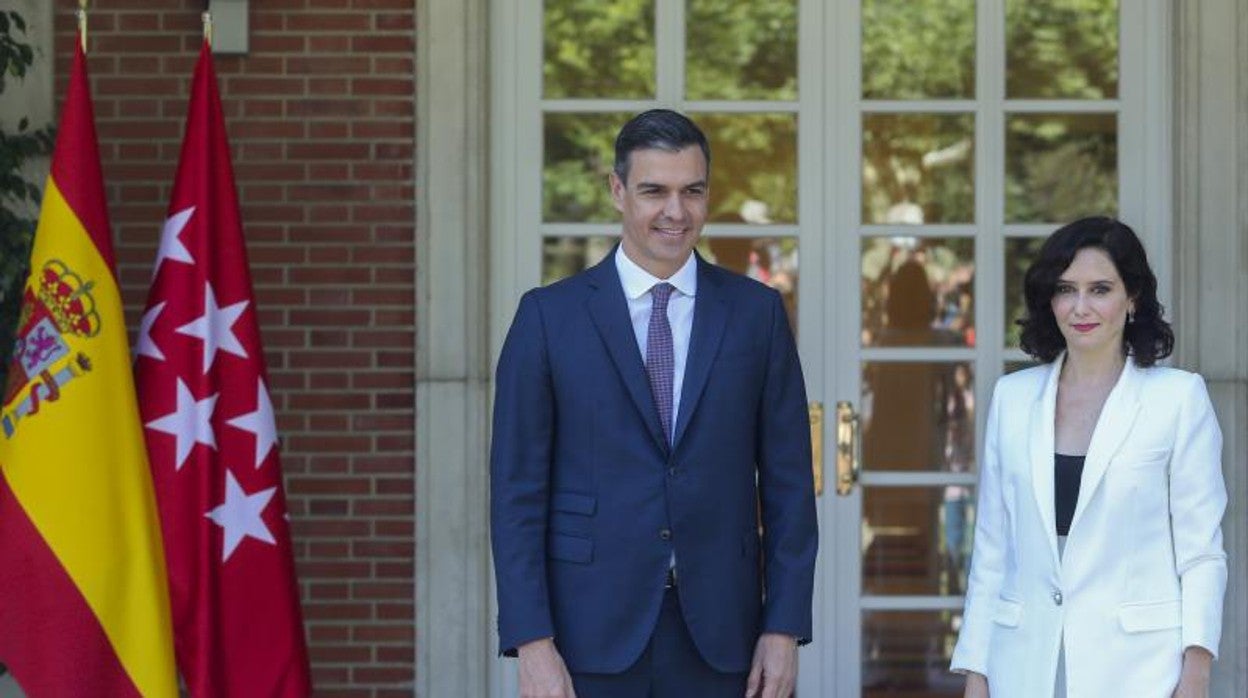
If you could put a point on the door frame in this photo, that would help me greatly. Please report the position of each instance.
(460, 44)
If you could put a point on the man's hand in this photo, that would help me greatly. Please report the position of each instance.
(976, 685)
(1194, 678)
(542, 671)
(773, 673)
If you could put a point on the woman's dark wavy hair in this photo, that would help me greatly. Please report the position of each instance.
(1146, 339)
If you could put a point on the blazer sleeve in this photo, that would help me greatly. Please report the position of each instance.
(1197, 503)
(989, 556)
(786, 487)
(520, 454)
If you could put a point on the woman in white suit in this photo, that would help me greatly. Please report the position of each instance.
(1098, 569)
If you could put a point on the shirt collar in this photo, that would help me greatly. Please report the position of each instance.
(637, 281)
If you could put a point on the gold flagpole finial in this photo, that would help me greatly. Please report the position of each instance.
(207, 19)
(82, 24)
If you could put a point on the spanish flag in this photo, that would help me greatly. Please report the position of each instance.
(84, 606)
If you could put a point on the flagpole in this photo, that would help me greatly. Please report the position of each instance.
(207, 19)
(82, 24)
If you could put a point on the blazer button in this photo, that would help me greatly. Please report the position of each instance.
(1057, 598)
(665, 534)
(673, 472)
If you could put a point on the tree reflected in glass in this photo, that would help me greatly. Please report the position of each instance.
(753, 167)
(598, 49)
(918, 50)
(918, 168)
(1061, 49)
(1059, 167)
(741, 50)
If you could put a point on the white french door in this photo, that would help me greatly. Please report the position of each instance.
(890, 166)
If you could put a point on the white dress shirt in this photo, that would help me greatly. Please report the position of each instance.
(637, 283)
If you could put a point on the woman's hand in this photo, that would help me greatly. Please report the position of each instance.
(976, 685)
(1194, 678)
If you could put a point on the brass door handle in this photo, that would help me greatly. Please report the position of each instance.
(816, 444)
(848, 448)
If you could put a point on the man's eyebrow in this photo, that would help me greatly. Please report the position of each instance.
(657, 185)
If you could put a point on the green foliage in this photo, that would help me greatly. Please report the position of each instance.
(1061, 49)
(741, 50)
(918, 50)
(598, 49)
(18, 195)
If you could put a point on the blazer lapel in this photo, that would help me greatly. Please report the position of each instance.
(609, 310)
(710, 316)
(1042, 448)
(1112, 427)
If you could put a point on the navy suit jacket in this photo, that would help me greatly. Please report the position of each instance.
(588, 502)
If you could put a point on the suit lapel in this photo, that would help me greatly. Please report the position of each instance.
(1042, 448)
(710, 316)
(1112, 427)
(609, 310)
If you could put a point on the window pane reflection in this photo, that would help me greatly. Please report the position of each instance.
(741, 50)
(906, 654)
(581, 37)
(1059, 167)
(918, 416)
(912, 50)
(578, 153)
(564, 256)
(754, 167)
(771, 260)
(1019, 253)
(918, 291)
(1061, 49)
(918, 168)
(916, 540)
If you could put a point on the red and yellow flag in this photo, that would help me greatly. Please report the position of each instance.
(84, 607)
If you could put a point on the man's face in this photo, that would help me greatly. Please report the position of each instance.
(663, 204)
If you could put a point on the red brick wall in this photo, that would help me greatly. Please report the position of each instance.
(321, 120)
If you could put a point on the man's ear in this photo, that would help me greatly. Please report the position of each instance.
(617, 190)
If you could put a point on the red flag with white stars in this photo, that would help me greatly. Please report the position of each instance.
(211, 434)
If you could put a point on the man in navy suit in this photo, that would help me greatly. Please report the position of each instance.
(650, 414)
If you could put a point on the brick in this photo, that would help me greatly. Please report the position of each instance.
(329, 485)
(335, 22)
(339, 654)
(383, 44)
(390, 506)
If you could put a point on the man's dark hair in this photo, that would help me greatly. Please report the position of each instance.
(663, 129)
(1146, 339)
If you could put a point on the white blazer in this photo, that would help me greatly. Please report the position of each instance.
(1143, 572)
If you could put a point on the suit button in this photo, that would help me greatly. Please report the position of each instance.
(1057, 598)
(665, 534)
(673, 472)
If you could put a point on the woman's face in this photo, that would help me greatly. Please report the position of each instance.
(1090, 303)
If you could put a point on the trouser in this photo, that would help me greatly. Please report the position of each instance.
(669, 667)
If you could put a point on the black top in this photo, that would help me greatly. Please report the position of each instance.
(1067, 472)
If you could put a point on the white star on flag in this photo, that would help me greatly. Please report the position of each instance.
(215, 327)
(146, 346)
(239, 516)
(261, 423)
(189, 424)
(170, 246)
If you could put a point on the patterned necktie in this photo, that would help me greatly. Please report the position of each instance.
(660, 358)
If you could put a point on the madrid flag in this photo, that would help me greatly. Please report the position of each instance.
(211, 435)
(84, 609)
